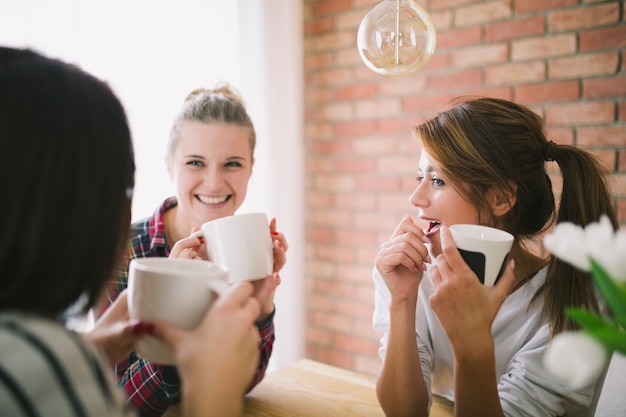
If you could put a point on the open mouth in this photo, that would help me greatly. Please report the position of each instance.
(433, 227)
(213, 201)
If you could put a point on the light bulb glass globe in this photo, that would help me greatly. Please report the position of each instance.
(396, 38)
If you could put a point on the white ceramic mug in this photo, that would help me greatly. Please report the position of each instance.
(242, 243)
(179, 291)
(483, 248)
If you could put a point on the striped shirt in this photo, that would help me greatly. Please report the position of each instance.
(48, 371)
(151, 387)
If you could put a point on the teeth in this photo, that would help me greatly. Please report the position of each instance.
(212, 200)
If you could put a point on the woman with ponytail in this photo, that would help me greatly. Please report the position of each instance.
(483, 161)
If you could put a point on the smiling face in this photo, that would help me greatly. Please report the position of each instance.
(439, 201)
(210, 168)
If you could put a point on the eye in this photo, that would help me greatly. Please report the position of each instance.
(195, 163)
(233, 164)
(437, 182)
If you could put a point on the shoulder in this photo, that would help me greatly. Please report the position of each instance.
(52, 368)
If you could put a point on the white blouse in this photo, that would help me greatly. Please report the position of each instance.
(520, 338)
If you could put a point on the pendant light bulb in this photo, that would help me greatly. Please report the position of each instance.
(396, 38)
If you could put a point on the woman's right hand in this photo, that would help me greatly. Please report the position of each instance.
(402, 260)
(217, 360)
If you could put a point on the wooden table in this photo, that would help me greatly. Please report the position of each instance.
(312, 389)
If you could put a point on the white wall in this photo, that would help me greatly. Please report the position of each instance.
(153, 53)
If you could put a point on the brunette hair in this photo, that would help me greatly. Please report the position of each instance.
(223, 104)
(67, 169)
(493, 144)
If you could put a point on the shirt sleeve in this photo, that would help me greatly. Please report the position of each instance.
(150, 387)
(266, 331)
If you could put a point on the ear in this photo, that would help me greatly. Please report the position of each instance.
(169, 164)
(502, 202)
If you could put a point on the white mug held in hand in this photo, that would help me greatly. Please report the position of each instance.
(484, 249)
(242, 243)
(179, 291)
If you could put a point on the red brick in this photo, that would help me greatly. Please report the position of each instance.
(517, 73)
(458, 37)
(330, 148)
(621, 211)
(505, 93)
(319, 60)
(480, 55)
(543, 46)
(459, 79)
(602, 135)
(448, 4)
(354, 344)
(333, 77)
(561, 135)
(583, 17)
(607, 158)
(482, 12)
(403, 86)
(515, 28)
(318, 26)
(354, 165)
(581, 113)
(333, 357)
(584, 65)
(527, 6)
(355, 129)
(604, 87)
(422, 103)
(376, 183)
(325, 7)
(622, 111)
(611, 37)
(621, 161)
(377, 108)
(395, 126)
(318, 337)
(545, 92)
(334, 41)
(373, 146)
(358, 201)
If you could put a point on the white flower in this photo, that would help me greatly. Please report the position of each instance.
(598, 241)
(567, 242)
(575, 359)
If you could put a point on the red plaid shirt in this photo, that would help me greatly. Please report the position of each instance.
(151, 387)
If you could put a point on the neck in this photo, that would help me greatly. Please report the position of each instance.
(527, 264)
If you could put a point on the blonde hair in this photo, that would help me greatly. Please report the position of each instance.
(223, 104)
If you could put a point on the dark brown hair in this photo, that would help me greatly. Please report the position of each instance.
(488, 143)
(67, 169)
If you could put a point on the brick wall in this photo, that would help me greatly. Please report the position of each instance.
(564, 58)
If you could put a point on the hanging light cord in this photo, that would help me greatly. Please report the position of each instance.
(397, 32)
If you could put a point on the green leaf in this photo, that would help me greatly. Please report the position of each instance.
(611, 338)
(586, 319)
(614, 294)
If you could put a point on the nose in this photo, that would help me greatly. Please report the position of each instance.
(213, 177)
(419, 197)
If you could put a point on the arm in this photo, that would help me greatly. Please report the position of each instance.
(266, 345)
(400, 385)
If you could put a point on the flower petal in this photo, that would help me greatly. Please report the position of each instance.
(568, 243)
(575, 359)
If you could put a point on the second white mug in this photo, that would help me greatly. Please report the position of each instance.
(242, 243)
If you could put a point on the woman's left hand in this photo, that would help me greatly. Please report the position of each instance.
(465, 307)
(264, 289)
(280, 247)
